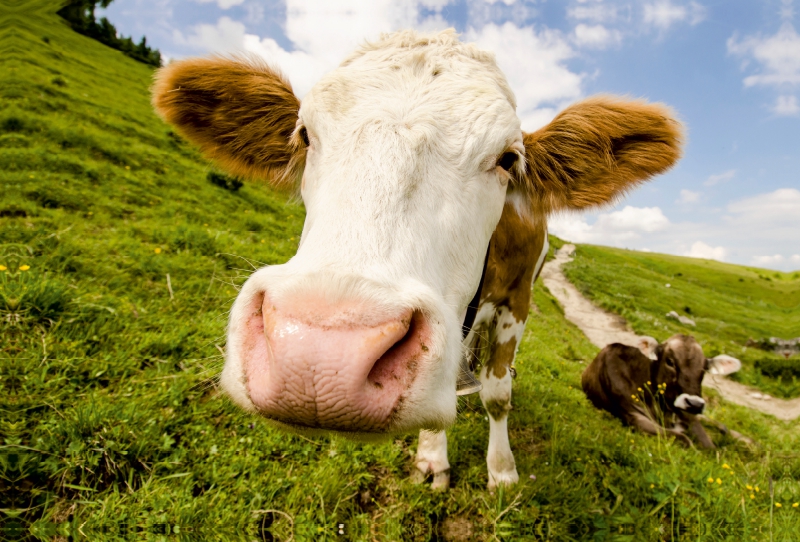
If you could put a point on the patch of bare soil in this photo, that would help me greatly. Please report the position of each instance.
(603, 328)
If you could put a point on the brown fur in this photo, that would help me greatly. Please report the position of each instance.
(513, 251)
(617, 373)
(596, 150)
(239, 111)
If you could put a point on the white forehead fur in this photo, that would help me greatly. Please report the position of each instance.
(400, 175)
(445, 44)
(434, 91)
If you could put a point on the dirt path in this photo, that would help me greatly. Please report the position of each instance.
(602, 328)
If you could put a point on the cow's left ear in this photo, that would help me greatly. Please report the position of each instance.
(596, 150)
(722, 365)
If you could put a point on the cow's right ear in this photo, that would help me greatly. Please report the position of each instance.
(240, 112)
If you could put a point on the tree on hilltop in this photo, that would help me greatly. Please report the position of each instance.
(80, 16)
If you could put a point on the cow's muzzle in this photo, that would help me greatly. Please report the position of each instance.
(335, 368)
(692, 404)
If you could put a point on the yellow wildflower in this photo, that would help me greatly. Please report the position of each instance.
(3, 267)
(725, 466)
(652, 486)
(757, 489)
(719, 481)
(778, 505)
(795, 505)
(752, 496)
(157, 250)
(649, 383)
(710, 480)
(749, 487)
(24, 267)
(640, 389)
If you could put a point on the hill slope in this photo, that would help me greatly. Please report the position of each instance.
(120, 262)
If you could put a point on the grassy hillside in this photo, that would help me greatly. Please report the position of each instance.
(119, 263)
(729, 303)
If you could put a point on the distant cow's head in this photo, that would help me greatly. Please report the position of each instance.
(404, 157)
(680, 366)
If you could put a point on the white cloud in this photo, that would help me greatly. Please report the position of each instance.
(224, 4)
(786, 106)
(688, 196)
(599, 13)
(778, 55)
(506, 2)
(534, 65)
(322, 33)
(768, 261)
(664, 13)
(597, 36)
(615, 228)
(795, 258)
(225, 36)
(720, 177)
(782, 205)
(701, 250)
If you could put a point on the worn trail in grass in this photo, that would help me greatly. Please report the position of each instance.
(120, 263)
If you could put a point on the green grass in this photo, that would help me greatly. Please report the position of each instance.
(730, 304)
(112, 426)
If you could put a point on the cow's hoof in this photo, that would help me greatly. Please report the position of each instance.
(417, 476)
(441, 481)
(507, 479)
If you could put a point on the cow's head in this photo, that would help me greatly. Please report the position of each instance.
(680, 366)
(404, 157)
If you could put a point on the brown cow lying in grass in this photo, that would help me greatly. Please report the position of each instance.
(660, 394)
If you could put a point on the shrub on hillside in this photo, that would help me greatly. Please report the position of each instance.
(784, 369)
(224, 181)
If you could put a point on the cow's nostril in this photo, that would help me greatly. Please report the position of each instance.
(398, 365)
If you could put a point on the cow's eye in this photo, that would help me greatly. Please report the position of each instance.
(304, 135)
(669, 362)
(508, 160)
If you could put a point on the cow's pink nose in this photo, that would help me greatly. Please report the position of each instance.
(333, 367)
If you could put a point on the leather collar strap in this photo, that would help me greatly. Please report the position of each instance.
(472, 308)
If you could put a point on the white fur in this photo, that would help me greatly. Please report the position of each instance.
(542, 256)
(508, 327)
(682, 401)
(499, 458)
(402, 196)
(432, 458)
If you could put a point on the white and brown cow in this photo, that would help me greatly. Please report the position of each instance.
(410, 161)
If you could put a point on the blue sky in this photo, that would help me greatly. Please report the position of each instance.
(731, 70)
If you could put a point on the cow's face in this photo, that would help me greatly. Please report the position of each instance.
(405, 156)
(681, 366)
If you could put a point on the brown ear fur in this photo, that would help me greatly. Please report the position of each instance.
(597, 149)
(239, 111)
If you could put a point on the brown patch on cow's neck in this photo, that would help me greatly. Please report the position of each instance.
(514, 251)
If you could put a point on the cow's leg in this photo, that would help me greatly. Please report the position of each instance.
(496, 396)
(432, 459)
(645, 424)
(700, 433)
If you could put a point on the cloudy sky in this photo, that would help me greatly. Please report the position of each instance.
(731, 69)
